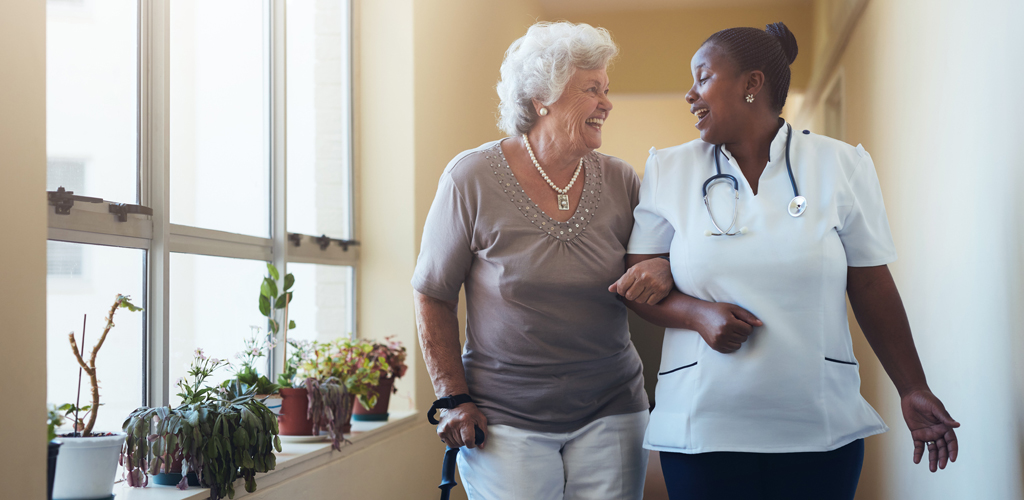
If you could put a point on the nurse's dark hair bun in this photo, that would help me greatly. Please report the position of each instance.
(785, 38)
(770, 51)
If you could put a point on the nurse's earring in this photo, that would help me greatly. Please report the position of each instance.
(750, 97)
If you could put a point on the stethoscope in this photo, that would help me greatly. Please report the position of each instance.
(796, 206)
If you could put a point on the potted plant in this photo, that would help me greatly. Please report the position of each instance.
(310, 373)
(294, 418)
(219, 433)
(87, 462)
(393, 353)
(356, 365)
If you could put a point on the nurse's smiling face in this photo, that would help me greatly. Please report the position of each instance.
(717, 97)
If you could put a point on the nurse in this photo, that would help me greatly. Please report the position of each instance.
(758, 393)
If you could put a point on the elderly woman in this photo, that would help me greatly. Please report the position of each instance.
(536, 226)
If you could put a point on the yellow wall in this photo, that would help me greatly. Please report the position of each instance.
(394, 469)
(459, 46)
(656, 46)
(652, 73)
(425, 92)
(23, 254)
(931, 92)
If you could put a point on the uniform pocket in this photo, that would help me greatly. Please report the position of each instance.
(680, 368)
(839, 361)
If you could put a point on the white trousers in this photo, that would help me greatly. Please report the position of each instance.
(604, 460)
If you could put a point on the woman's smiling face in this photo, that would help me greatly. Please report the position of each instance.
(717, 95)
(582, 108)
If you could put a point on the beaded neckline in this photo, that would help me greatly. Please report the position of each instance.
(562, 231)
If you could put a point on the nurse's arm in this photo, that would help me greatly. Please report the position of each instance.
(723, 326)
(879, 310)
(438, 324)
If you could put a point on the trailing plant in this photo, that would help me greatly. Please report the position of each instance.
(219, 433)
(121, 302)
(329, 407)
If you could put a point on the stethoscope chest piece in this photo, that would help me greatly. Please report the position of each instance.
(797, 206)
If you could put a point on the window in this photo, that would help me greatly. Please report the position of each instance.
(241, 157)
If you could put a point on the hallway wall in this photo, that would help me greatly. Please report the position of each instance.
(23, 254)
(932, 91)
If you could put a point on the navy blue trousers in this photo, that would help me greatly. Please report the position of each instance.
(829, 475)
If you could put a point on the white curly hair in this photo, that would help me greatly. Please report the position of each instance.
(539, 65)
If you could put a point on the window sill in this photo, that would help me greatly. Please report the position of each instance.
(294, 459)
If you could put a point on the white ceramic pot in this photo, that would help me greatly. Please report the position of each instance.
(86, 467)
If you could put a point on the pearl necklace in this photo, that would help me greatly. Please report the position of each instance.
(563, 196)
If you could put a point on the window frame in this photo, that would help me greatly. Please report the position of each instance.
(90, 223)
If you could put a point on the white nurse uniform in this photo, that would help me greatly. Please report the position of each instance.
(794, 386)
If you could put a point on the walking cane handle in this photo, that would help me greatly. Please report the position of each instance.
(448, 468)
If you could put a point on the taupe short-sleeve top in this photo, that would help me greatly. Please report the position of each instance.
(547, 346)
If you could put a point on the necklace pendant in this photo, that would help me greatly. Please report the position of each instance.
(563, 202)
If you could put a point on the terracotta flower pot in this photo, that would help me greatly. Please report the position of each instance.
(379, 412)
(294, 420)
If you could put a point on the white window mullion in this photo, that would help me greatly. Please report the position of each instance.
(278, 148)
(349, 139)
(202, 241)
(155, 170)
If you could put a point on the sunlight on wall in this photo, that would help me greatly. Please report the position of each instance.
(951, 181)
(639, 121)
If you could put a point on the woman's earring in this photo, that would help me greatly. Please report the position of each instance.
(543, 112)
(750, 97)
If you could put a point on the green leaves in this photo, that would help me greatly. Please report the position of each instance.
(274, 298)
(124, 302)
(283, 299)
(223, 439)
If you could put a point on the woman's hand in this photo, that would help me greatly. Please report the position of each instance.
(646, 282)
(458, 426)
(930, 425)
(725, 327)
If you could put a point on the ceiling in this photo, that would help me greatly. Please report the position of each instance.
(559, 8)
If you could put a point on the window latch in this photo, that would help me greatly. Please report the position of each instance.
(123, 209)
(323, 241)
(62, 200)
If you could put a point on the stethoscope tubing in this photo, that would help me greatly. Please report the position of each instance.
(796, 205)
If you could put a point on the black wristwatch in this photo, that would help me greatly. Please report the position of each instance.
(446, 403)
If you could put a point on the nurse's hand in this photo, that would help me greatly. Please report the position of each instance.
(725, 327)
(457, 426)
(931, 426)
(647, 282)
